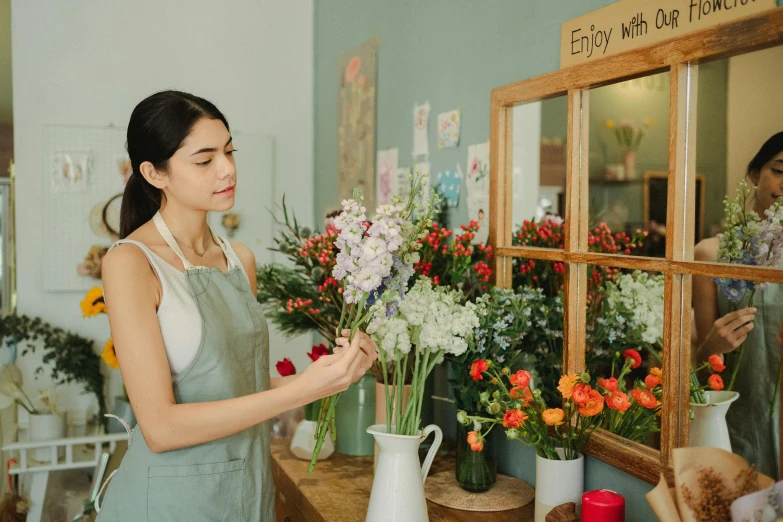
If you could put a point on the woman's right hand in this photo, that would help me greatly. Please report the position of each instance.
(334, 373)
(728, 332)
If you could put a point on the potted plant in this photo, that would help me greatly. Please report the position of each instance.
(72, 357)
(46, 423)
(629, 136)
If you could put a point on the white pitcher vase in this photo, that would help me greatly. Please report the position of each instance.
(708, 427)
(398, 486)
(558, 482)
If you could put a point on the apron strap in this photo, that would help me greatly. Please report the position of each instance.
(165, 232)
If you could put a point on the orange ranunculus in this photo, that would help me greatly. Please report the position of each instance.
(609, 385)
(476, 441)
(514, 418)
(477, 368)
(553, 416)
(651, 381)
(522, 393)
(715, 381)
(716, 364)
(618, 400)
(566, 385)
(520, 379)
(594, 404)
(645, 398)
(581, 394)
(657, 372)
(630, 353)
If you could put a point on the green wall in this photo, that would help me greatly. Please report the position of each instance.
(452, 54)
(6, 109)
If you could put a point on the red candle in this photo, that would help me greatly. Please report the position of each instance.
(603, 506)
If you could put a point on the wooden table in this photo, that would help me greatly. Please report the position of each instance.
(339, 491)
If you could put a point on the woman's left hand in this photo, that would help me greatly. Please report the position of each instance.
(366, 345)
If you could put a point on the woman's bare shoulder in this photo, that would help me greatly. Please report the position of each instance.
(706, 249)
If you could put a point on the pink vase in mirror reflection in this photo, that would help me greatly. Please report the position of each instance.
(629, 164)
(603, 505)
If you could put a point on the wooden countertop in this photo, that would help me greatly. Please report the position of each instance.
(339, 491)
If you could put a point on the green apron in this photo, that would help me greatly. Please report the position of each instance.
(755, 436)
(229, 479)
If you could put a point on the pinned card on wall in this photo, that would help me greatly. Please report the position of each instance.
(386, 172)
(478, 169)
(449, 185)
(402, 184)
(449, 129)
(421, 116)
(478, 211)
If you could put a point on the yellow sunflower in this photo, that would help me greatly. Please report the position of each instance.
(93, 303)
(109, 356)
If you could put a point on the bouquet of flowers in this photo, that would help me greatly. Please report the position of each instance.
(714, 382)
(556, 433)
(550, 233)
(429, 323)
(629, 135)
(631, 313)
(457, 263)
(748, 240)
(632, 417)
(374, 262)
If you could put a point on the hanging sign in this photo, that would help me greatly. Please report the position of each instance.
(631, 24)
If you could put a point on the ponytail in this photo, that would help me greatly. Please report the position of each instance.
(157, 128)
(140, 202)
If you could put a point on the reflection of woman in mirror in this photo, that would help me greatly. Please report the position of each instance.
(753, 434)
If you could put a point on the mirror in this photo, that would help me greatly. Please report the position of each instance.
(739, 110)
(750, 379)
(628, 139)
(539, 172)
(625, 317)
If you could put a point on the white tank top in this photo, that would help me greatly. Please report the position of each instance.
(178, 315)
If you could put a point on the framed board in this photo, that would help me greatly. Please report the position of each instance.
(656, 190)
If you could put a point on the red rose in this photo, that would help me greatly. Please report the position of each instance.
(630, 353)
(317, 352)
(651, 381)
(715, 381)
(477, 368)
(514, 418)
(716, 364)
(609, 385)
(285, 367)
(581, 394)
(520, 379)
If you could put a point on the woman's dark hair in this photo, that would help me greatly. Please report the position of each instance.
(157, 128)
(771, 148)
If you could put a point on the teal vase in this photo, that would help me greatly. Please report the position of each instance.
(354, 413)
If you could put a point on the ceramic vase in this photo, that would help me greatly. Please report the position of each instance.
(354, 413)
(629, 164)
(43, 427)
(398, 485)
(708, 427)
(558, 482)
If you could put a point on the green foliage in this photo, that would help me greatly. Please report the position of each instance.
(72, 356)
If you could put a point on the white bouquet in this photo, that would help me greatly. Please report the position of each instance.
(428, 323)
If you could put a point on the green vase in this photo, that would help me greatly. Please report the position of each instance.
(476, 470)
(354, 413)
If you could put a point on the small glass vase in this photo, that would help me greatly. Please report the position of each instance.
(476, 470)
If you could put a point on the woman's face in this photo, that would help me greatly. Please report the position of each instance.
(769, 182)
(202, 173)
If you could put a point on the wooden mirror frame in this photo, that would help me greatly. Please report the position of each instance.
(679, 56)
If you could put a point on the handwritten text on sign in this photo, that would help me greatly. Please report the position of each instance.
(630, 24)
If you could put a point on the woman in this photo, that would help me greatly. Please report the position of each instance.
(191, 340)
(753, 434)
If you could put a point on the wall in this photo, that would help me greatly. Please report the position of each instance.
(90, 62)
(5, 60)
(452, 54)
(755, 110)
